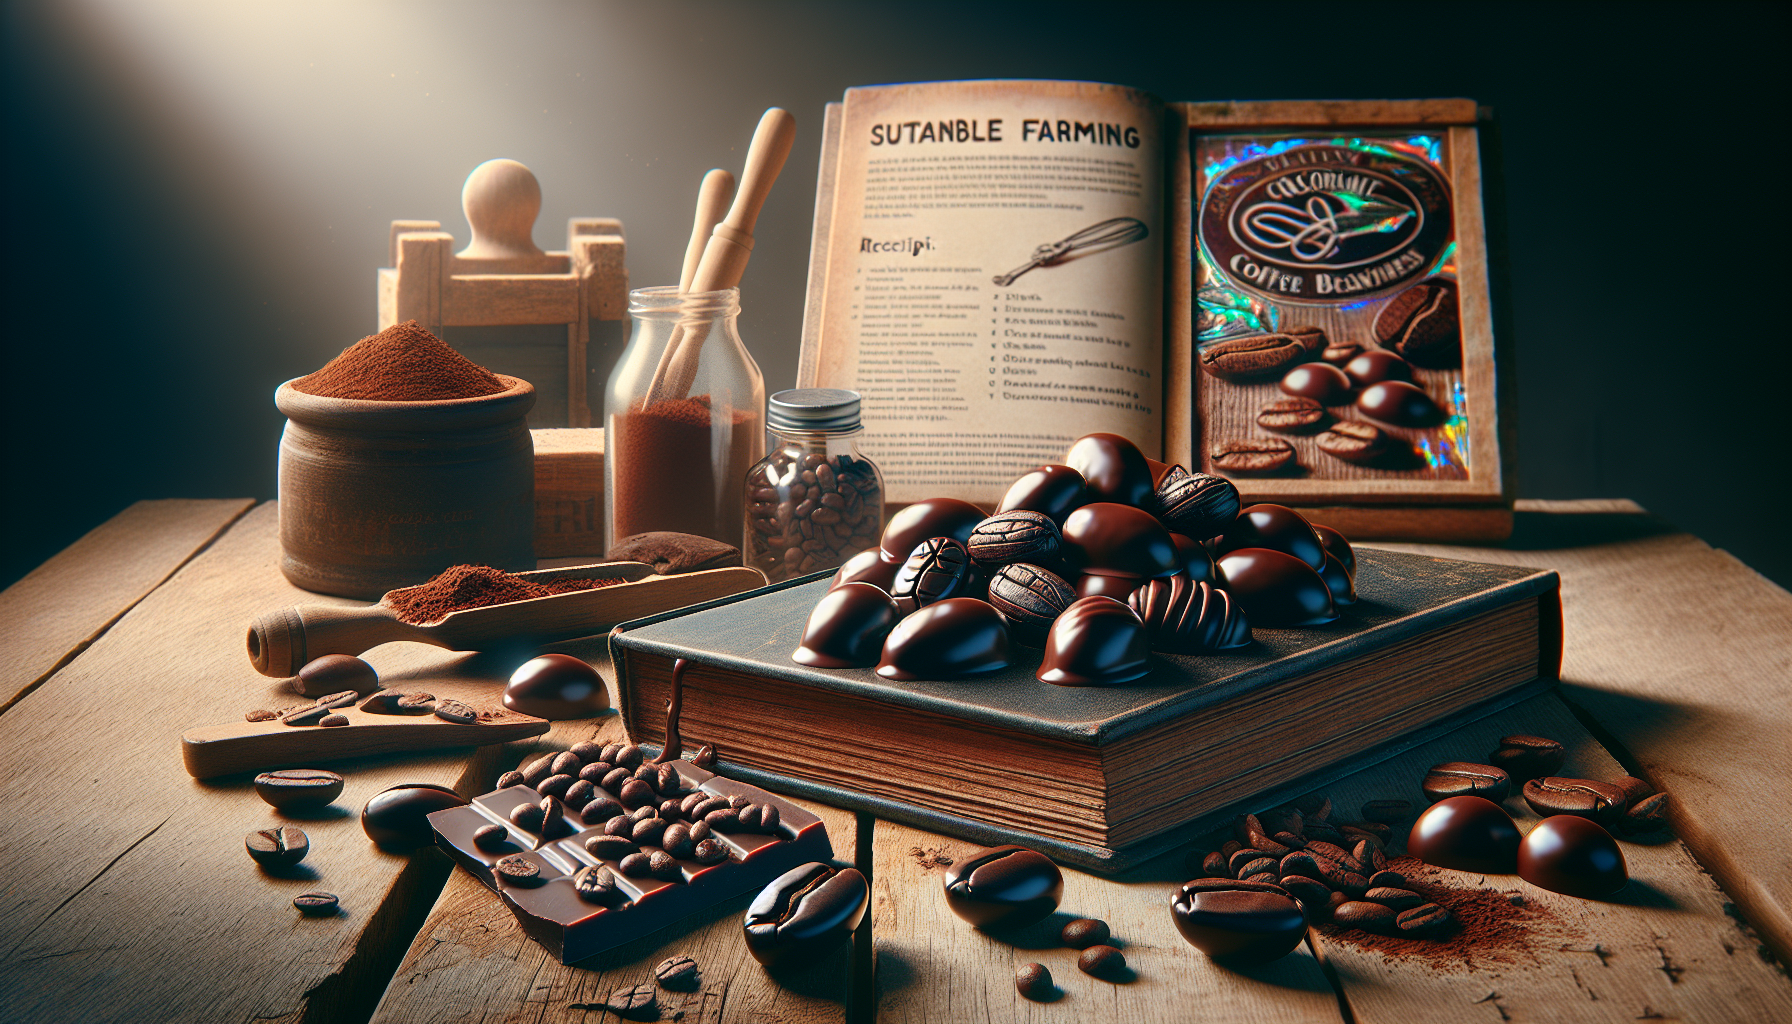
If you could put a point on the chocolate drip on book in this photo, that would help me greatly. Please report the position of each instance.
(674, 705)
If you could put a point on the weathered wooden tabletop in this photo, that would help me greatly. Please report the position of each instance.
(125, 894)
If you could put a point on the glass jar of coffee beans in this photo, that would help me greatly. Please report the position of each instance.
(814, 501)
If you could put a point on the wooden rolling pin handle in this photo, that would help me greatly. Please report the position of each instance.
(282, 642)
(713, 197)
(765, 158)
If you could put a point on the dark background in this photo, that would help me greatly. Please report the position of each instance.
(202, 192)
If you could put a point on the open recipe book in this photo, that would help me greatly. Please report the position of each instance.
(1000, 267)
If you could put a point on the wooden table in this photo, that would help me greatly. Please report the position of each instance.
(127, 896)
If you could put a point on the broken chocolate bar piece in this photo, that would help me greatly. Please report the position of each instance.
(738, 855)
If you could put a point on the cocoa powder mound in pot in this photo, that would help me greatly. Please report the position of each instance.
(403, 363)
(476, 586)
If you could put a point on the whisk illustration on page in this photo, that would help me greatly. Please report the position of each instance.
(1109, 234)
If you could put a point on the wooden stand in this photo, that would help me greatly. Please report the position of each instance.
(502, 280)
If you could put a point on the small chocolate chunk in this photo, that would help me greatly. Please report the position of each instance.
(332, 721)
(1083, 933)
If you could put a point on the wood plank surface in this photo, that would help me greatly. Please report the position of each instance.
(61, 606)
(1663, 948)
(932, 966)
(1681, 657)
(128, 893)
(471, 961)
(1249, 114)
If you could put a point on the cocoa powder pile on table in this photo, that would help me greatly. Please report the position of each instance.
(1490, 929)
(403, 363)
(476, 586)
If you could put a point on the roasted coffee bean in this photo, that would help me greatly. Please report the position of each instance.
(538, 769)
(725, 820)
(1650, 814)
(491, 837)
(1303, 863)
(650, 774)
(517, 870)
(1033, 982)
(417, 702)
(710, 852)
(1289, 840)
(1354, 441)
(1369, 855)
(1314, 896)
(663, 866)
(1018, 536)
(1370, 917)
(700, 831)
(644, 812)
(1249, 921)
(597, 884)
(616, 778)
(1387, 880)
(1313, 806)
(707, 805)
(1423, 324)
(456, 712)
(762, 818)
(637, 1002)
(610, 752)
(669, 809)
(1251, 455)
(1429, 919)
(1101, 961)
(553, 819)
(1286, 818)
(262, 715)
(332, 721)
(279, 847)
(567, 763)
(1583, 798)
(1633, 788)
(627, 756)
(1083, 933)
(599, 810)
(1292, 415)
(1230, 847)
(1322, 830)
(636, 865)
(586, 751)
(1311, 337)
(609, 847)
(1395, 899)
(804, 518)
(1528, 757)
(1244, 856)
(678, 842)
(739, 801)
(1465, 778)
(1196, 505)
(298, 788)
(555, 785)
(527, 817)
(1214, 866)
(578, 795)
(1387, 812)
(1268, 876)
(636, 793)
(1253, 357)
(316, 903)
(649, 831)
(309, 714)
(509, 779)
(1377, 830)
(678, 973)
(1260, 865)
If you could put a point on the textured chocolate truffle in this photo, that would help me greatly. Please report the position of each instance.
(935, 517)
(1184, 616)
(1400, 404)
(1017, 536)
(556, 687)
(938, 568)
(1278, 528)
(1277, 589)
(848, 627)
(1119, 540)
(1052, 491)
(1096, 642)
(398, 818)
(957, 637)
(1004, 886)
(869, 566)
(1113, 467)
(1030, 598)
(1196, 504)
(1572, 856)
(1468, 833)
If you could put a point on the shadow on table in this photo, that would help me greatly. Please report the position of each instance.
(1549, 531)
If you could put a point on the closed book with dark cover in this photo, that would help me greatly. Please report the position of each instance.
(1099, 777)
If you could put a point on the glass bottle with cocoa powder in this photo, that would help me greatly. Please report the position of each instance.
(813, 502)
(684, 418)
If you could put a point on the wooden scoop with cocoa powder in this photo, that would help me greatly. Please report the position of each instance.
(457, 610)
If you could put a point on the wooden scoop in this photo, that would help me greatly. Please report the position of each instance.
(282, 642)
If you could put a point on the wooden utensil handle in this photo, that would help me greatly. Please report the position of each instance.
(280, 643)
(713, 197)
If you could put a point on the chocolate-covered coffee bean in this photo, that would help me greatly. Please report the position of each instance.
(1250, 921)
(1003, 886)
(1017, 536)
(939, 568)
(1585, 798)
(805, 913)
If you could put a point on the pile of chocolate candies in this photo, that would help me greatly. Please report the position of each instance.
(1099, 561)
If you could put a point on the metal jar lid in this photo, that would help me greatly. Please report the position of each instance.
(813, 409)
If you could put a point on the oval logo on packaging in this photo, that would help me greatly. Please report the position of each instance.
(1325, 225)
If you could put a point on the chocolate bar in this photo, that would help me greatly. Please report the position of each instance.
(558, 887)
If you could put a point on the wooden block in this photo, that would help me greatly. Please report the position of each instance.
(481, 300)
(569, 492)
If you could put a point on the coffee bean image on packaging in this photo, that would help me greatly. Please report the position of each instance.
(1354, 441)
(1423, 324)
(1251, 456)
(1322, 382)
(1003, 886)
(1252, 357)
(1400, 404)
(1292, 415)
(1375, 367)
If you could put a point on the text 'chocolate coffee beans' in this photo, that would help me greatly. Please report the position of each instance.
(848, 627)
(935, 517)
(1112, 539)
(1585, 798)
(939, 568)
(1196, 505)
(1572, 856)
(1277, 590)
(1467, 833)
(1375, 367)
(1278, 528)
(1096, 642)
(1400, 404)
(556, 687)
(398, 818)
(1031, 599)
(298, 788)
(1004, 886)
(804, 913)
(1112, 468)
(1322, 382)
(1528, 757)
(1463, 778)
(334, 673)
(1052, 491)
(1017, 536)
(869, 566)
(1183, 616)
(1251, 921)
(959, 636)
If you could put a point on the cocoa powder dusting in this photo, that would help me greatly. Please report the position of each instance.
(403, 363)
(1490, 929)
(476, 586)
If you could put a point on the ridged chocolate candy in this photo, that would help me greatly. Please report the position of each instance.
(1096, 642)
(1184, 616)
(869, 566)
(935, 517)
(1017, 536)
(1052, 491)
(848, 627)
(1113, 467)
(1276, 589)
(1031, 598)
(959, 636)
(1278, 528)
(1114, 539)
(1196, 504)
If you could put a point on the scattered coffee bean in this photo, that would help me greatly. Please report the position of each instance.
(417, 702)
(1353, 441)
(1236, 862)
(491, 837)
(298, 788)
(567, 763)
(517, 870)
(633, 1003)
(538, 769)
(627, 756)
(1101, 960)
(636, 865)
(1368, 854)
(1084, 932)
(307, 714)
(1291, 415)
(1528, 757)
(1314, 807)
(1633, 788)
(280, 847)
(678, 842)
(649, 831)
(1429, 919)
(456, 712)
(527, 817)
(1370, 917)
(636, 793)
(1387, 880)
(1396, 899)
(600, 810)
(555, 785)
(1283, 819)
(1464, 778)
(1650, 814)
(261, 715)
(332, 721)
(587, 751)
(596, 884)
(1213, 865)
(1251, 455)
(1583, 798)
(678, 973)
(316, 904)
(1033, 981)
(664, 867)
(385, 702)
(1003, 886)
(578, 795)
(1387, 812)
(1314, 896)
(710, 852)
(509, 779)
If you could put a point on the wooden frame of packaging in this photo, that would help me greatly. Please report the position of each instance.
(1478, 507)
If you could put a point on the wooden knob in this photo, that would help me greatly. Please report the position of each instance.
(501, 199)
(277, 643)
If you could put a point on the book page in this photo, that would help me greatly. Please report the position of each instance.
(994, 279)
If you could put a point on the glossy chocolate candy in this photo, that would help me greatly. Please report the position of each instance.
(939, 568)
(398, 818)
(1096, 642)
(805, 913)
(1276, 589)
(1113, 467)
(1004, 886)
(1052, 491)
(1322, 382)
(1337, 580)
(935, 517)
(848, 627)
(1098, 585)
(1278, 528)
(1197, 561)
(959, 636)
(869, 566)
(1572, 856)
(1119, 540)
(1336, 546)
(556, 687)
(1467, 833)
(1399, 404)
(1375, 366)
(1184, 616)
(1250, 921)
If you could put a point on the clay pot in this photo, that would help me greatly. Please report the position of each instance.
(380, 495)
